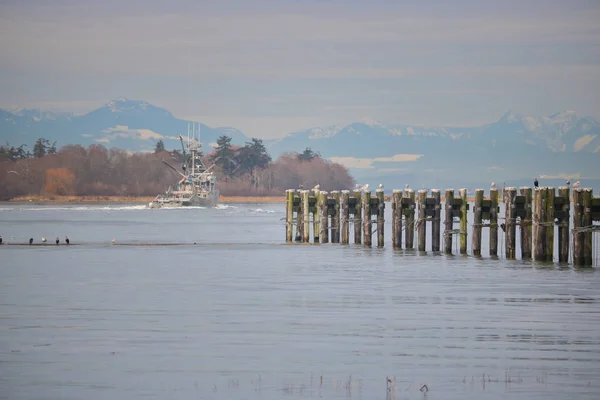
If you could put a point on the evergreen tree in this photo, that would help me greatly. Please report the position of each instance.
(52, 148)
(40, 148)
(253, 156)
(224, 156)
(308, 155)
(160, 146)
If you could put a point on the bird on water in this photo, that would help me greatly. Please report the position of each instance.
(0, 239)
(67, 240)
(31, 241)
(57, 240)
(44, 240)
(535, 182)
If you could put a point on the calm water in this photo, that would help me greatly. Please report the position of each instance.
(241, 315)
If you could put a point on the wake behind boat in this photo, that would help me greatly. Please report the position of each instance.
(196, 188)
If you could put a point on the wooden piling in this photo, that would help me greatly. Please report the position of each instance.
(510, 194)
(422, 219)
(526, 224)
(345, 216)
(578, 236)
(463, 220)
(449, 222)
(587, 223)
(409, 226)
(539, 229)
(323, 211)
(380, 216)
(396, 219)
(306, 215)
(314, 210)
(477, 222)
(289, 215)
(300, 219)
(563, 227)
(436, 221)
(493, 222)
(549, 222)
(357, 217)
(367, 227)
(335, 217)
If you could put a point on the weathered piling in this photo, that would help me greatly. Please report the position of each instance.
(289, 215)
(367, 226)
(578, 235)
(396, 219)
(421, 224)
(549, 222)
(539, 218)
(409, 226)
(494, 222)
(300, 219)
(345, 216)
(306, 216)
(510, 194)
(380, 216)
(324, 214)
(562, 207)
(587, 222)
(526, 224)
(357, 216)
(335, 216)
(436, 221)
(314, 210)
(464, 206)
(449, 222)
(477, 222)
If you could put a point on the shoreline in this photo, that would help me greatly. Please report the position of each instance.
(133, 199)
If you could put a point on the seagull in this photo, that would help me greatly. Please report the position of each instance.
(568, 182)
(357, 186)
(493, 185)
(31, 241)
(300, 186)
(317, 187)
(365, 187)
(406, 186)
(44, 240)
(57, 240)
(67, 240)
(381, 186)
(535, 182)
(113, 241)
(577, 184)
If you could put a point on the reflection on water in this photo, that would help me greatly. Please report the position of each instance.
(241, 315)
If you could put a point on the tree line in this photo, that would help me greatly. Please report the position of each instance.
(97, 171)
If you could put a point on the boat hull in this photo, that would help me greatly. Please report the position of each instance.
(210, 200)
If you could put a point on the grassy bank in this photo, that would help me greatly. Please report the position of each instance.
(137, 199)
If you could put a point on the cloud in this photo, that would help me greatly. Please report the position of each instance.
(583, 141)
(366, 163)
(124, 132)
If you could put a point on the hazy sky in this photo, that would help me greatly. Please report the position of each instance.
(270, 67)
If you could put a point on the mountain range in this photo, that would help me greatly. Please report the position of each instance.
(510, 151)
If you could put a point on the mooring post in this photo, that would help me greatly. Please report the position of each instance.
(563, 227)
(367, 227)
(526, 224)
(289, 215)
(493, 222)
(587, 223)
(449, 222)
(477, 222)
(422, 219)
(324, 212)
(357, 217)
(314, 210)
(300, 218)
(578, 236)
(345, 216)
(549, 222)
(436, 221)
(463, 220)
(335, 217)
(511, 222)
(396, 219)
(306, 209)
(539, 227)
(409, 226)
(380, 216)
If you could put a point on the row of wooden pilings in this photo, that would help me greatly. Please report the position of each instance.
(537, 213)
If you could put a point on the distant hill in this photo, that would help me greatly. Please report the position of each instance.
(509, 151)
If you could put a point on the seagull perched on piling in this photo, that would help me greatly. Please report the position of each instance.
(381, 186)
(577, 184)
(568, 182)
(357, 186)
(406, 186)
(493, 185)
(535, 182)
(317, 187)
(365, 187)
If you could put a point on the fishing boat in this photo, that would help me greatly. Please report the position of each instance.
(197, 185)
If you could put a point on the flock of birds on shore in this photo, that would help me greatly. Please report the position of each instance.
(44, 240)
